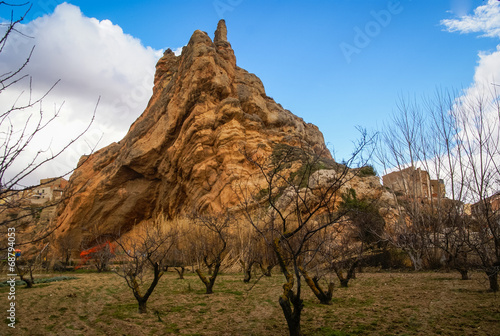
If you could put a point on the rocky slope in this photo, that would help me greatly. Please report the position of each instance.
(185, 151)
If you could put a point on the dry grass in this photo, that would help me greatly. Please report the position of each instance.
(375, 304)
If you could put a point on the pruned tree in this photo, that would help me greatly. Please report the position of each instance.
(479, 120)
(98, 248)
(453, 236)
(29, 261)
(300, 198)
(65, 249)
(266, 258)
(400, 150)
(358, 238)
(324, 296)
(252, 252)
(144, 254)
(181, 255)
(248, 250)
(315, 268)
(212, 235)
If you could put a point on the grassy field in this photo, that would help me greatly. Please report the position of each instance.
(374, 304)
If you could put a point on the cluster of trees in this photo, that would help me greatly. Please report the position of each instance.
(305, 221)
(311, 225)
(457, 140)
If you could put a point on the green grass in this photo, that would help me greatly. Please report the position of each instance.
(40, 281)
(374, 304)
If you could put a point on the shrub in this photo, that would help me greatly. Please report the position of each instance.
(367, 171)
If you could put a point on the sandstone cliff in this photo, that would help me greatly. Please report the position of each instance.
(184, 151)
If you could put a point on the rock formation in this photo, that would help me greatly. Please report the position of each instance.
(185, 151)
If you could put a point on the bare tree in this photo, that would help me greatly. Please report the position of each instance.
(301, 199)
(16, 140)
(144, 250)
(400, 150)
(457, 139)
(315, 267)
(65, 248)
(181, 255)
(213, 236)
(360, 235)
(478, 118)
(469, 155)
(266, 259)
(252, 252)
(98, 248)
(248, 249)
(29, 261)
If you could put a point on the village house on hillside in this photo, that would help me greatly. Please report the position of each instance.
(411, 181)
(49, 190)
(36, 202)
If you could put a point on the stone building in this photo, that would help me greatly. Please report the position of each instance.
(49, 190)
(414, 182)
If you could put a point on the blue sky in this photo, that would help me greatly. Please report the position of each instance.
(310, 56)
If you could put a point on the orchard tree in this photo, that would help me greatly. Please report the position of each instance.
(181, 254)
(247, 247)
(144, 254)
(212, 236)
(297, 202)
(29, 261)
(98, 248)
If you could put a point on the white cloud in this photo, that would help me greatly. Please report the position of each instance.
(487, 73)
(92, 59)
(178, 51)
(461, 7)
(483, 91)
(486, 20)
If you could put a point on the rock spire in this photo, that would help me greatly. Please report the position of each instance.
(221, 32)
(184, 152)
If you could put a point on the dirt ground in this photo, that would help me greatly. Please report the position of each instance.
(374, 304)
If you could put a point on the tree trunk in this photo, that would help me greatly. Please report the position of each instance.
(27, 278)
(344, 281)
(464, 273)
(248, 276)
(327, 297)
(66, 261)
(180, 272)
(493, 278)
(209, 265)
(292, 315)
(29, 282)
(290, 302)
(248, 272)
(209, 283)
(266, 270)
(134, 285)
(142, 306)
(313, 283)
(416, 260)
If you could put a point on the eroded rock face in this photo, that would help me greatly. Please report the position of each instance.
(185, 151)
